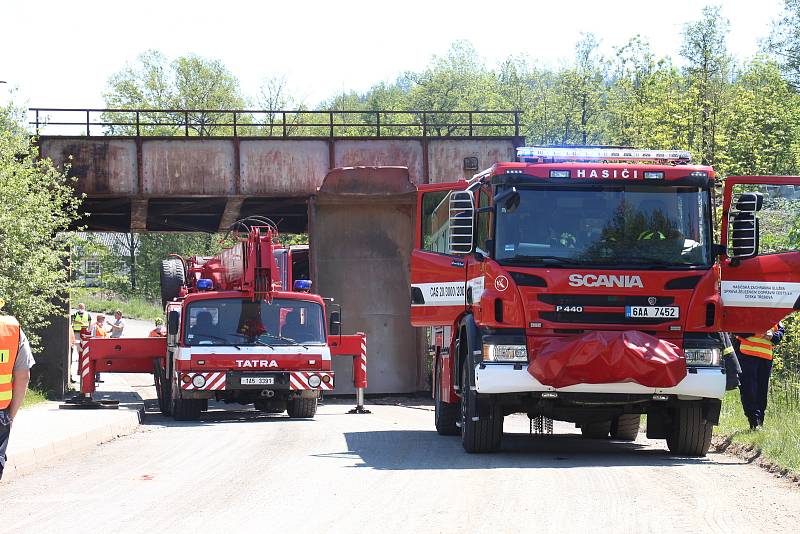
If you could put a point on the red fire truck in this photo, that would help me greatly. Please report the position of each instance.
(587, 285)
(242, 327)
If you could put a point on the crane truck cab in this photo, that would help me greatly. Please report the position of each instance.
(586, 285)
(238, 332)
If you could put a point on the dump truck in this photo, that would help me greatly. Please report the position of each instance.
(587, 285)
(243, 327)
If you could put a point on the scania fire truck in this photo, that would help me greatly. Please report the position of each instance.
(242, 327)
(587, 285)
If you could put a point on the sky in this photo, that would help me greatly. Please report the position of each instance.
(56, 53)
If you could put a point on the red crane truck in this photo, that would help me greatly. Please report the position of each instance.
(587, 285)
(242, 327)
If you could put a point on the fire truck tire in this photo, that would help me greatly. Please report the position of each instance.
(596, 429)
(485, 434)
(162, 388)
(187, 409)
(302, 408)
(172, 279)
(690, 433)
(626, 427)
(446, 414)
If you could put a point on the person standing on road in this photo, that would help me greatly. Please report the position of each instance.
(755, 359)
(80, 319)
(159, 330)
(99, 327)
(16, 361)
(117, 325)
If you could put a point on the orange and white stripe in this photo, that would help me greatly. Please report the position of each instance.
(215, 381)
(298, 380)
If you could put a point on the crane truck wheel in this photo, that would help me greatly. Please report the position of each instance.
(446, 414)
(625, 427)
(185, 409)
(300, 408)
(163, 390)
(690, 433)
(596, 429)
(485, 434)
(173, 278)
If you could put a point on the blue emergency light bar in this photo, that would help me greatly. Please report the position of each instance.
(302, 285)
(535, 154)
(205, 284)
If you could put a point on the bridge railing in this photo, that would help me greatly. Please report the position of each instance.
(273, 123)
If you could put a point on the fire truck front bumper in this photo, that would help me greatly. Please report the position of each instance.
(496, 378)
(236, 380)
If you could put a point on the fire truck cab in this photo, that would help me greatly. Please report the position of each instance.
(588, 285)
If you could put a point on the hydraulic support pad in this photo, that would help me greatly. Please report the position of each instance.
(360, 375)
(84, 400)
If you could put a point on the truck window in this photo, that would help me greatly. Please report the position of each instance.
(482, 230)
(779, 218)
(435, 221)
(244, 322)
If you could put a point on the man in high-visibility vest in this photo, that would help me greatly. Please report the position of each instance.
(80, 320)
(755, 359)
(16, 361)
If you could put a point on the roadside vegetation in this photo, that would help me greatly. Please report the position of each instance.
(779, 440)
(33, 397)
(100, 300)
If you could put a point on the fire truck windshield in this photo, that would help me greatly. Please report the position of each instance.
(605, 225)
(241, 322)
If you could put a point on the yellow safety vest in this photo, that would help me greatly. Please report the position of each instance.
(9, 346)
(80, 321)
(756, 346)
(651, 234)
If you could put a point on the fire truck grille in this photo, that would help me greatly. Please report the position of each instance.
(598, 318)
(605, 301)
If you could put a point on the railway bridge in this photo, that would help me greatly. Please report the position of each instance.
(345, 177)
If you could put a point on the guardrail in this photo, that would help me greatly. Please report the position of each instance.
(276, 123)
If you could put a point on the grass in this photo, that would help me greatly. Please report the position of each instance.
(99, 300)
(33, 396)
(779, 439)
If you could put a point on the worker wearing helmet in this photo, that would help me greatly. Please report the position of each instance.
(159, 330)
(16, 361)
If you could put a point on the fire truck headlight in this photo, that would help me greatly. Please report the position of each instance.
(314, 381)
(199, 381)
(702, 357)
(505, 353)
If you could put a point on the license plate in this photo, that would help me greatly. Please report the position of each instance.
(258, 380)
(652, 312)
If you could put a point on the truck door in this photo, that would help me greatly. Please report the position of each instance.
(761, 269)
(438, 278)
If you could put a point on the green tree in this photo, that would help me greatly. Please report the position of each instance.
(708, 66)
(39, 204)
(762, 123)
(186, 83)
(784, 41)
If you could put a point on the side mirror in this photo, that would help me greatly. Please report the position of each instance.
(462, 222)
(173, 321)
(744, 226)
(335, 323)
(508, 199)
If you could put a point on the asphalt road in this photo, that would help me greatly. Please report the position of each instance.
(386, 472)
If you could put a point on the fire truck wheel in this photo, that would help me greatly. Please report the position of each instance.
(187, 409)
(626, 427)
(596, 429)
(162, 388)
(485, 434)
(172, 279)
(690, 433)
(446, 414)
(302, 408)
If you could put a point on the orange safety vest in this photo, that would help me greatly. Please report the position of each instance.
(9, 346)
(756, 346)
(100, 331)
